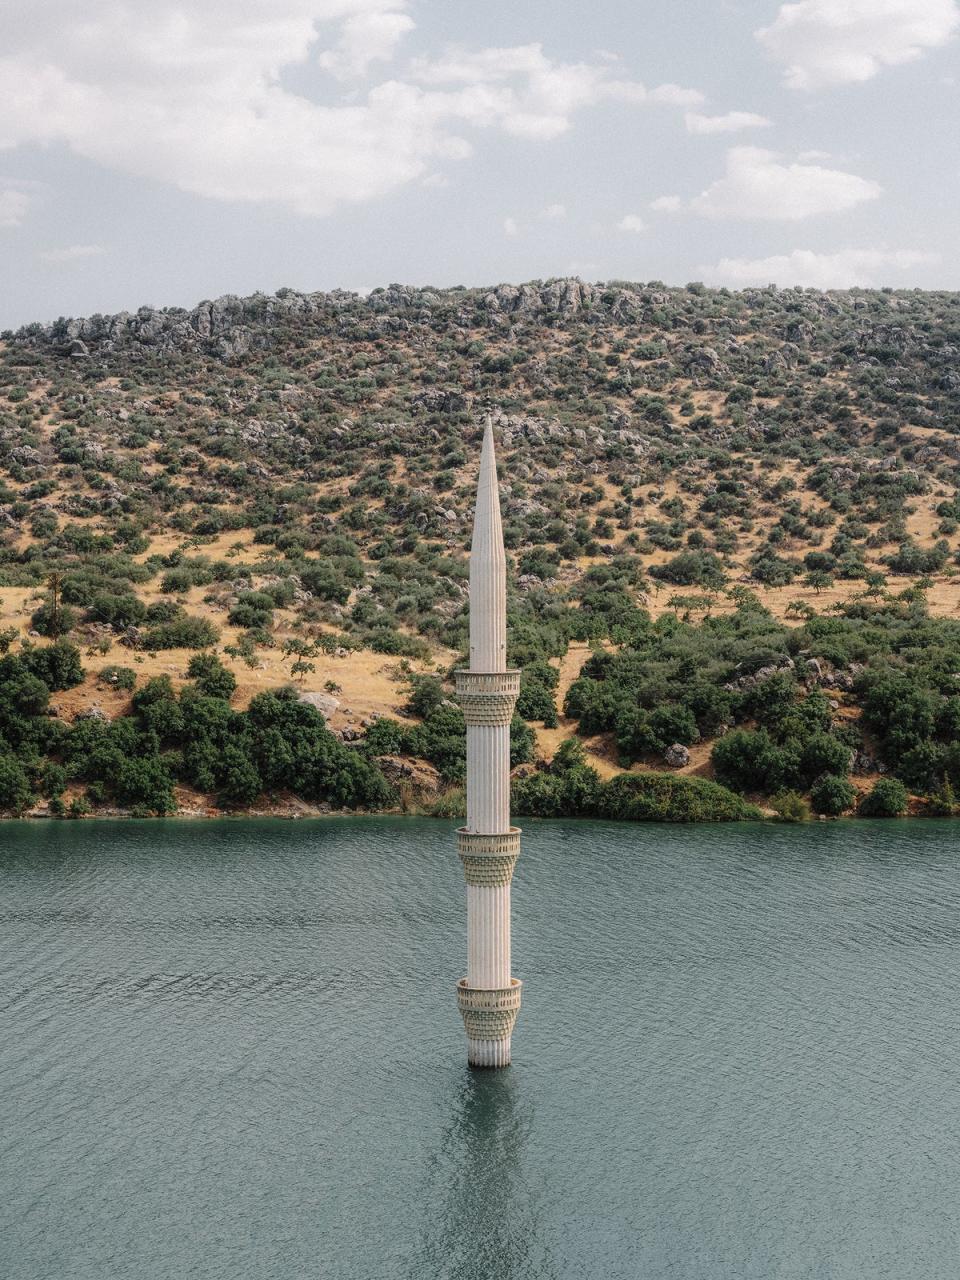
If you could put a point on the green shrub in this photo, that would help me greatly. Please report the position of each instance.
(385, 640)
(53, 623)
(426, 694)
(832, 795)
(662, 797)
(15, 791)
(212, 678)
(119, 610)
(888, 799)
(538, 681)
(691, 568)
(790, 806)
(184, 633)
(117, 677)
(57, 664)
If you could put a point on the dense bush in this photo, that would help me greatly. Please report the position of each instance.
(664, 797)
(212, 678)
(538, 683)
(790, 806)
(57, 664)
(184, 633)
(117, 677)
(888, 799)
(832, 795)
(47, 621)
(15, 790)
(569, 787)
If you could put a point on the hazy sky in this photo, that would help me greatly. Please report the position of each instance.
(161, 152)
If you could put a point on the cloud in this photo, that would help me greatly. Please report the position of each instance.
(13, 206)
(510, 227)
(631, 222)
(757, 184)
(555, 212)
(842, 270)
(732, 122)
(825, 42)
(667, 204)
(72, 253)
(366, 37)
(672, 95)
(194, 95)
(519, 89)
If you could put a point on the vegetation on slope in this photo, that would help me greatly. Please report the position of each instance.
(747, 503)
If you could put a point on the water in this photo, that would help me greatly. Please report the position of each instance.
(231, 1050)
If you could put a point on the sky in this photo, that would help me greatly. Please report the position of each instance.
(156, 152)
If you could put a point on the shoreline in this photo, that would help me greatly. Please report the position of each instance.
(309, 812)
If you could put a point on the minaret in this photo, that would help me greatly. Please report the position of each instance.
(489, 998)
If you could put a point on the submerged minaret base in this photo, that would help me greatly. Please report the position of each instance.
(488, 997)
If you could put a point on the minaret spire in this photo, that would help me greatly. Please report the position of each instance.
(488, 569)
(489, 998)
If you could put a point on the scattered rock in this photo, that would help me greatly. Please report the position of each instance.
(325, 703)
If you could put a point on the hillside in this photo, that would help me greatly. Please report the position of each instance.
(717, 491)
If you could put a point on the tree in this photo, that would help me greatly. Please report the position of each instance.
(819, 579)
(832, 795)
(57, 664)
(888, 799)
(426, 695)
(790, 806)
(300, 651)
(212, 678)
(15, 791)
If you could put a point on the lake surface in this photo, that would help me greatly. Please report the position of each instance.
(231, 1050)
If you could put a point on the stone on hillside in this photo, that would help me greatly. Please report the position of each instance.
(677, 756)
(325, 703)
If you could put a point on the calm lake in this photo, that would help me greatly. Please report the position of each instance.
(232, 1050)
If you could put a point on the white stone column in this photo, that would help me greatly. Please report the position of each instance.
(488, 997)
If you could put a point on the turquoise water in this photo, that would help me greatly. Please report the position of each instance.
(231, 1050)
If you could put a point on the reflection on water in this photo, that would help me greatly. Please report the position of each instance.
(485, 1222)
(233, 1050)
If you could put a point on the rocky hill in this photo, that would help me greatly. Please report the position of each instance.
(288, 480)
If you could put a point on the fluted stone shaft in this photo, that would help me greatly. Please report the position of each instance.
(489, 998)
(488, 766)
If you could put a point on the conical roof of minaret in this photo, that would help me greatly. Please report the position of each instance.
(488, 571)
(487, 528)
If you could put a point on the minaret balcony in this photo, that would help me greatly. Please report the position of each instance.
(488, 860)
(487, 697)
(489, 1014)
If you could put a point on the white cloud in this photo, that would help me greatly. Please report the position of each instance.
(13, 207)
(72, 253)
(483, 89)
(824, 42)
(631, 222)
(555, 212)
(366, 37)
(842, 270)
(757, 184)
(667, 204)
(510, 227)
(193, 95)
(732, 122)
(672, 95)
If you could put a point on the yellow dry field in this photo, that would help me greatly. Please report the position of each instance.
(366, 684)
